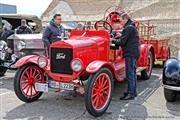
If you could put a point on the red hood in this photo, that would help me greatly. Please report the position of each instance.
(76, 43)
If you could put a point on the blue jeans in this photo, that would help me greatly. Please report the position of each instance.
(131, 74)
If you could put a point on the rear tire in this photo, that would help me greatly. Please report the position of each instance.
(170, 95)
(2, 71)
(24, 83)
(146, 74)
(98, 93)
(168, 57)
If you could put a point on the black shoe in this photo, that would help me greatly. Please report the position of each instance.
(127, 97)
(125, 93)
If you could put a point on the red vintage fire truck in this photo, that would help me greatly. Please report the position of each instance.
(87, 62)
(160, 48)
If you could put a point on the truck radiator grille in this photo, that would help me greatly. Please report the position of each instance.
(60, 60)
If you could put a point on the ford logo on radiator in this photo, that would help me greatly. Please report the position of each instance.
(60, 56)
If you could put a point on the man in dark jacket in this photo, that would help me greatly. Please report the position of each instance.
(24, 28)
(129, 41)
(54, 31)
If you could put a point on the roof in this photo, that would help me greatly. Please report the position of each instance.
(89, 10)
(20, 16)
(34, 18)
(164, 9)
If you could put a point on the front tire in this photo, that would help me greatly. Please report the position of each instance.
(146, 73)
(2, 71)
(98, 92)
(24, 83)
(170, 95)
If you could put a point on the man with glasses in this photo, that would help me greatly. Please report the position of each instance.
(53, 32)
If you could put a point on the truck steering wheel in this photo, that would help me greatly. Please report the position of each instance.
(103, 25)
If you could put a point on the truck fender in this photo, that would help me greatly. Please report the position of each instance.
(96, 65)
(27, 59)
(165, 52)
(144, 50)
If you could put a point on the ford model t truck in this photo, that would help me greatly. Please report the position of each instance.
(87, 60)
(87, 63)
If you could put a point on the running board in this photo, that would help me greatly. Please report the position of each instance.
(139, 69)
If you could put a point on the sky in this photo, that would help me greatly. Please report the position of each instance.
(35, 7)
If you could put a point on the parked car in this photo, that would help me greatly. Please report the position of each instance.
(14, 20)
(171, 79)
(17, 46)
(13, 46)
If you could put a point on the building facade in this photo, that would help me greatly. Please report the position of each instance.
(8, 9)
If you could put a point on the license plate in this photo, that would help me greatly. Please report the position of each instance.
(54, 84)
(42, 87)
(66, 86)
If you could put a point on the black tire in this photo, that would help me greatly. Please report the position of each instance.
(2, 71)
(145, 75)
(88, 92)
(169, 53)
(170, 95)
(168, 57)
(17, 88)
(163, 63)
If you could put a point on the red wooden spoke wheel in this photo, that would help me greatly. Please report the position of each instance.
(24, 82)
(101, 91)
(98, 92)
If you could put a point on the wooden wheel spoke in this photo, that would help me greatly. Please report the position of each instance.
(23, 82)
(102, 80)
(25, 86)
(105, 88)
(103, 98)
(27, 90)
(95, 89)
(95, 94)
(30, 71)
(25, 78)
(36, 77)
(35, 89)
(31, 90)
(97, 102)
(104, 83)
(26, 72)
(34, 72)
(97, 82)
